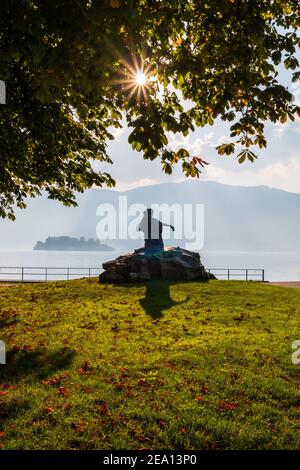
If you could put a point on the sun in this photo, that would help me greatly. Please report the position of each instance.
(140, 78)
(137, 78)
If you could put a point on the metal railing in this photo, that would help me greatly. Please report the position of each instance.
(246, 274)
(33, 273)
(29, 274)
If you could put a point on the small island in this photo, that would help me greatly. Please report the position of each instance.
(65, 243)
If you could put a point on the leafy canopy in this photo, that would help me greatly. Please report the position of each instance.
(68, 66)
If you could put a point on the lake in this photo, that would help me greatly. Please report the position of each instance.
(277, 266)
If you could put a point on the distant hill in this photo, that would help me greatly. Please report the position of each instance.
(65, 243)
(236, 218)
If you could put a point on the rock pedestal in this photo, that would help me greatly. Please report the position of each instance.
(173, 264)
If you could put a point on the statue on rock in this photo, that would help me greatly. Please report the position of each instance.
(153, 261)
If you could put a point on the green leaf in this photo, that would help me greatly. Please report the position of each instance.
(283, 118)
(242, 156)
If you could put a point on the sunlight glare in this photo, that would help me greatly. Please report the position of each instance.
(140, 78)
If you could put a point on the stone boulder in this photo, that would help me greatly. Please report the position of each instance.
(173, 264)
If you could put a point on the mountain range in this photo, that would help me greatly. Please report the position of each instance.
(236, 218)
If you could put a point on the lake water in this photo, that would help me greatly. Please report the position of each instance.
(277, 266)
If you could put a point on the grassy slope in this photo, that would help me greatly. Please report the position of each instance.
(186, 365)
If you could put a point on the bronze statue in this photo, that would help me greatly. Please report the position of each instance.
(152, 229)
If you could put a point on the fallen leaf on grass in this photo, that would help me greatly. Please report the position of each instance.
(48, 410)
(89, 326)
(3, 393)
(55, 381)
(2, 433)
(85, 369)
(198, 398)
(214, 445)
(162, 423)
(144, 383)
(7, 387)
(227, 405)
(118, 385)
(65, 350)
(23, 348)
(104, 409)
(79, 428)
(241, 317)
(67, 407)
(139, 436)
(182, 430)
(87, 389)
(63, 391)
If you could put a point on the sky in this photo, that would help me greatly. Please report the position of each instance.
(278, 166)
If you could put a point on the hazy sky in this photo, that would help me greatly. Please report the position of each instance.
(278, 165)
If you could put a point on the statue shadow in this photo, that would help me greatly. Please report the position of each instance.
(158, 298)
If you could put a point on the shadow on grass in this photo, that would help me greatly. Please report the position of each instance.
(157, 298)
(34, 365)
(7, 320)
(13, 409)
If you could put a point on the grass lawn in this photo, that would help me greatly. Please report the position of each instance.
(149, 366)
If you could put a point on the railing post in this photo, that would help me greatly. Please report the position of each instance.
(263, 275)
(246, 274)
(22, 274)
(228, 274)
(89, 272)
(46, 274)
(68, 274)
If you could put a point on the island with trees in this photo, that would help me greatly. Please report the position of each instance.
(65, 243)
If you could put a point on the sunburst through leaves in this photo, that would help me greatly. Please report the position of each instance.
(137, 78)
